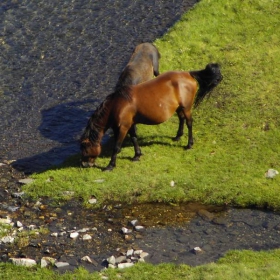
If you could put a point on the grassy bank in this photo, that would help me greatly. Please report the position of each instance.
(236, 131)
(236, 135)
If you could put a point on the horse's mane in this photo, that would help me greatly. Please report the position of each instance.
(125, 80)
(93, 127)
(207, 79)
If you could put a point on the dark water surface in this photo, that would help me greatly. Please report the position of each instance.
(58, 60)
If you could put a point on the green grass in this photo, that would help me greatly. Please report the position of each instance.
(236, 135)
(236, 131)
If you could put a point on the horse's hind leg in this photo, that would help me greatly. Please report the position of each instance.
(180, 131)
(137, 150)
(189, 121)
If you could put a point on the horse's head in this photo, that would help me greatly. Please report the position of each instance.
(214, 69)
(90, 151)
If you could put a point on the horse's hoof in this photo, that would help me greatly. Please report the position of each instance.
(135, 159)
(108, 168)
(176, 138)
(188, 147)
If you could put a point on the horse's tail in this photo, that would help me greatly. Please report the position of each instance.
(207, 79)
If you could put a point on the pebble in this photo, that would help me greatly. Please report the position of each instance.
(134, 223)
(61, 264)
(197, 250)
(19, 224)
(86, 259)
(6, 220)
(22, 261)
(54, 234)
(74, 235)
(87, 237)
(7, 239)
(172, 183)
(126, 230)
(111, 260)
(92, 201)
(271, 173)
(139, 228)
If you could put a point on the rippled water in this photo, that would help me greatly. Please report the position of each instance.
(58, 60)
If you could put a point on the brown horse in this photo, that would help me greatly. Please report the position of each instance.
(143, 65)
(150, 103)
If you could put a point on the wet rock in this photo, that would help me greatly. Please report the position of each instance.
(23, 261)
(206, 215)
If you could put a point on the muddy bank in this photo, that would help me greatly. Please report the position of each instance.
(58, 61)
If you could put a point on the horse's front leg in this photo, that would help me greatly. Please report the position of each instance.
(137, 150)
(180, 131)
(120, 134)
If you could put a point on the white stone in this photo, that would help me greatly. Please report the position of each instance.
(111, 260)
(125, 265)
(6, 220)
(45, 261)
(99, 181)
(74, 235)
(139, 228)
(126, 230)
(7, 239)
(138, 252)
(54, 234)
(62, 233)
(26, 181)
(19, 224)
(86, 259)
(87, 237)
(120, 259)
(31, 227)
(23, 261)
(172, 183)
(129, 252)
(111, 266)
(92, 201)
(144, 255)
(134, 223)
(271, 173)
(83, 230)
(61, 264)
(197, 250)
